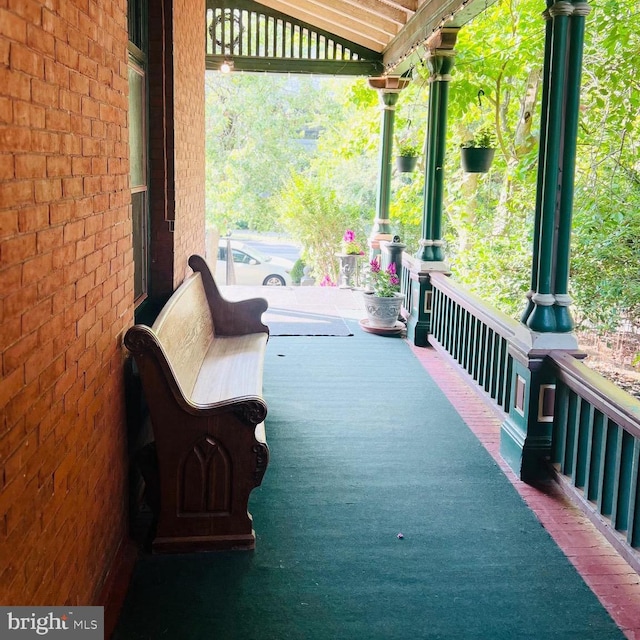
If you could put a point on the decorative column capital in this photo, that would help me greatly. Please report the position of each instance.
(389, 84)
(442, 39)
(581, 9)
(561, 8)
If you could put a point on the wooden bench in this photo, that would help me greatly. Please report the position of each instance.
(201, 369)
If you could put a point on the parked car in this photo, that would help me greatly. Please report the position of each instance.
(251, 267)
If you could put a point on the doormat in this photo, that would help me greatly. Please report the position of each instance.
(289, 322)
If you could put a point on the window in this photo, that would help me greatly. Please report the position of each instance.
(138, 146)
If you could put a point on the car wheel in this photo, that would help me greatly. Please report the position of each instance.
(274, 281)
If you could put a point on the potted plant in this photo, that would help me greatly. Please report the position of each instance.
(351, 252)
(477, 153)
(407, 158)
(383, 300)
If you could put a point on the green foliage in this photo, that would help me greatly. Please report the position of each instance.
(297, 271)
(483, 138)
(315, 216)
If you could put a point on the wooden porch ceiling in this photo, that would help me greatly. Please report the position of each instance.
(394, 28)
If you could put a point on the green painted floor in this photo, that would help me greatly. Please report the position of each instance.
(364, 446)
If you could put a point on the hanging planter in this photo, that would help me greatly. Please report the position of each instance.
(406, 164)
(476, 159)
(477, 154)
(407, 158)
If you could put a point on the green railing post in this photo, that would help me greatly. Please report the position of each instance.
(430, 254)
(546, 72)
(440, 62)
(564, 321)
(543, 318)
(388, 88)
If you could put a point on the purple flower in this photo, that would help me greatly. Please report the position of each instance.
(349, 236)
(393, 279)
(391, 269)
(375, 266)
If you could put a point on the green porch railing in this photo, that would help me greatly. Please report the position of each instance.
(475, 335)
(596, 450)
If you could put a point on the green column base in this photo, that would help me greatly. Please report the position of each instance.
(528, 459)
(418, 331)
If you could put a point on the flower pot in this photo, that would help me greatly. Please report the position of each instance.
(382, 313)
(476, 159)
(348, 269)
(406, 164)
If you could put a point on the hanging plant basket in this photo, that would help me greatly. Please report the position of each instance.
(476, 159)
(406, 164)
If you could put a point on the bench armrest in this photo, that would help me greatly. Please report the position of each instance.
(230, 318)
(156, 371)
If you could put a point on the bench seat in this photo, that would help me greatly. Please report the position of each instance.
(201, 367)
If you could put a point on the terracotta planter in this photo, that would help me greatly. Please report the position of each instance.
(382, 313)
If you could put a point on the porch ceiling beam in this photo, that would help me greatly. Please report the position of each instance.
(388, 10)
(406, 5)
(431, 16)
(298, 65)
(331, 19)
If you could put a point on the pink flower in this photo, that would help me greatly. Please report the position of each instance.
(327, 281)
(349, 236)
(375, 266)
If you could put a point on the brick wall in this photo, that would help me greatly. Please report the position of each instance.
(177, 150)
(189, 70)
(66, 291)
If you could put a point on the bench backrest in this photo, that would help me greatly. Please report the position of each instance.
(185, 330)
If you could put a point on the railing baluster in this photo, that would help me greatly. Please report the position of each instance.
(615, 492)
(598, 450)
(583, 467)
(634, 508)
(609, 475)
(568, 465)
(624, 488)
(560, 419)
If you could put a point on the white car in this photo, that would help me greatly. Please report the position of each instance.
(251, 267)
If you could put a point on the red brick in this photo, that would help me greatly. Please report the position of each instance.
(24, 59)
(14, 139)
(50, 284)
(8, 223)
(49, 239)
(33, 218)
(6, 110)
(28, 115)
(37, 362)
(58, 121)
(12, 26)
(10, 385)
(35, 269)
(48, 190)
(31, 166)
(72, 187)
(45, 141)
(28, 9)
(17, 249)
(15, 356)
(44, 93)
(58, 166)
(65, 55)
(39, 40)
